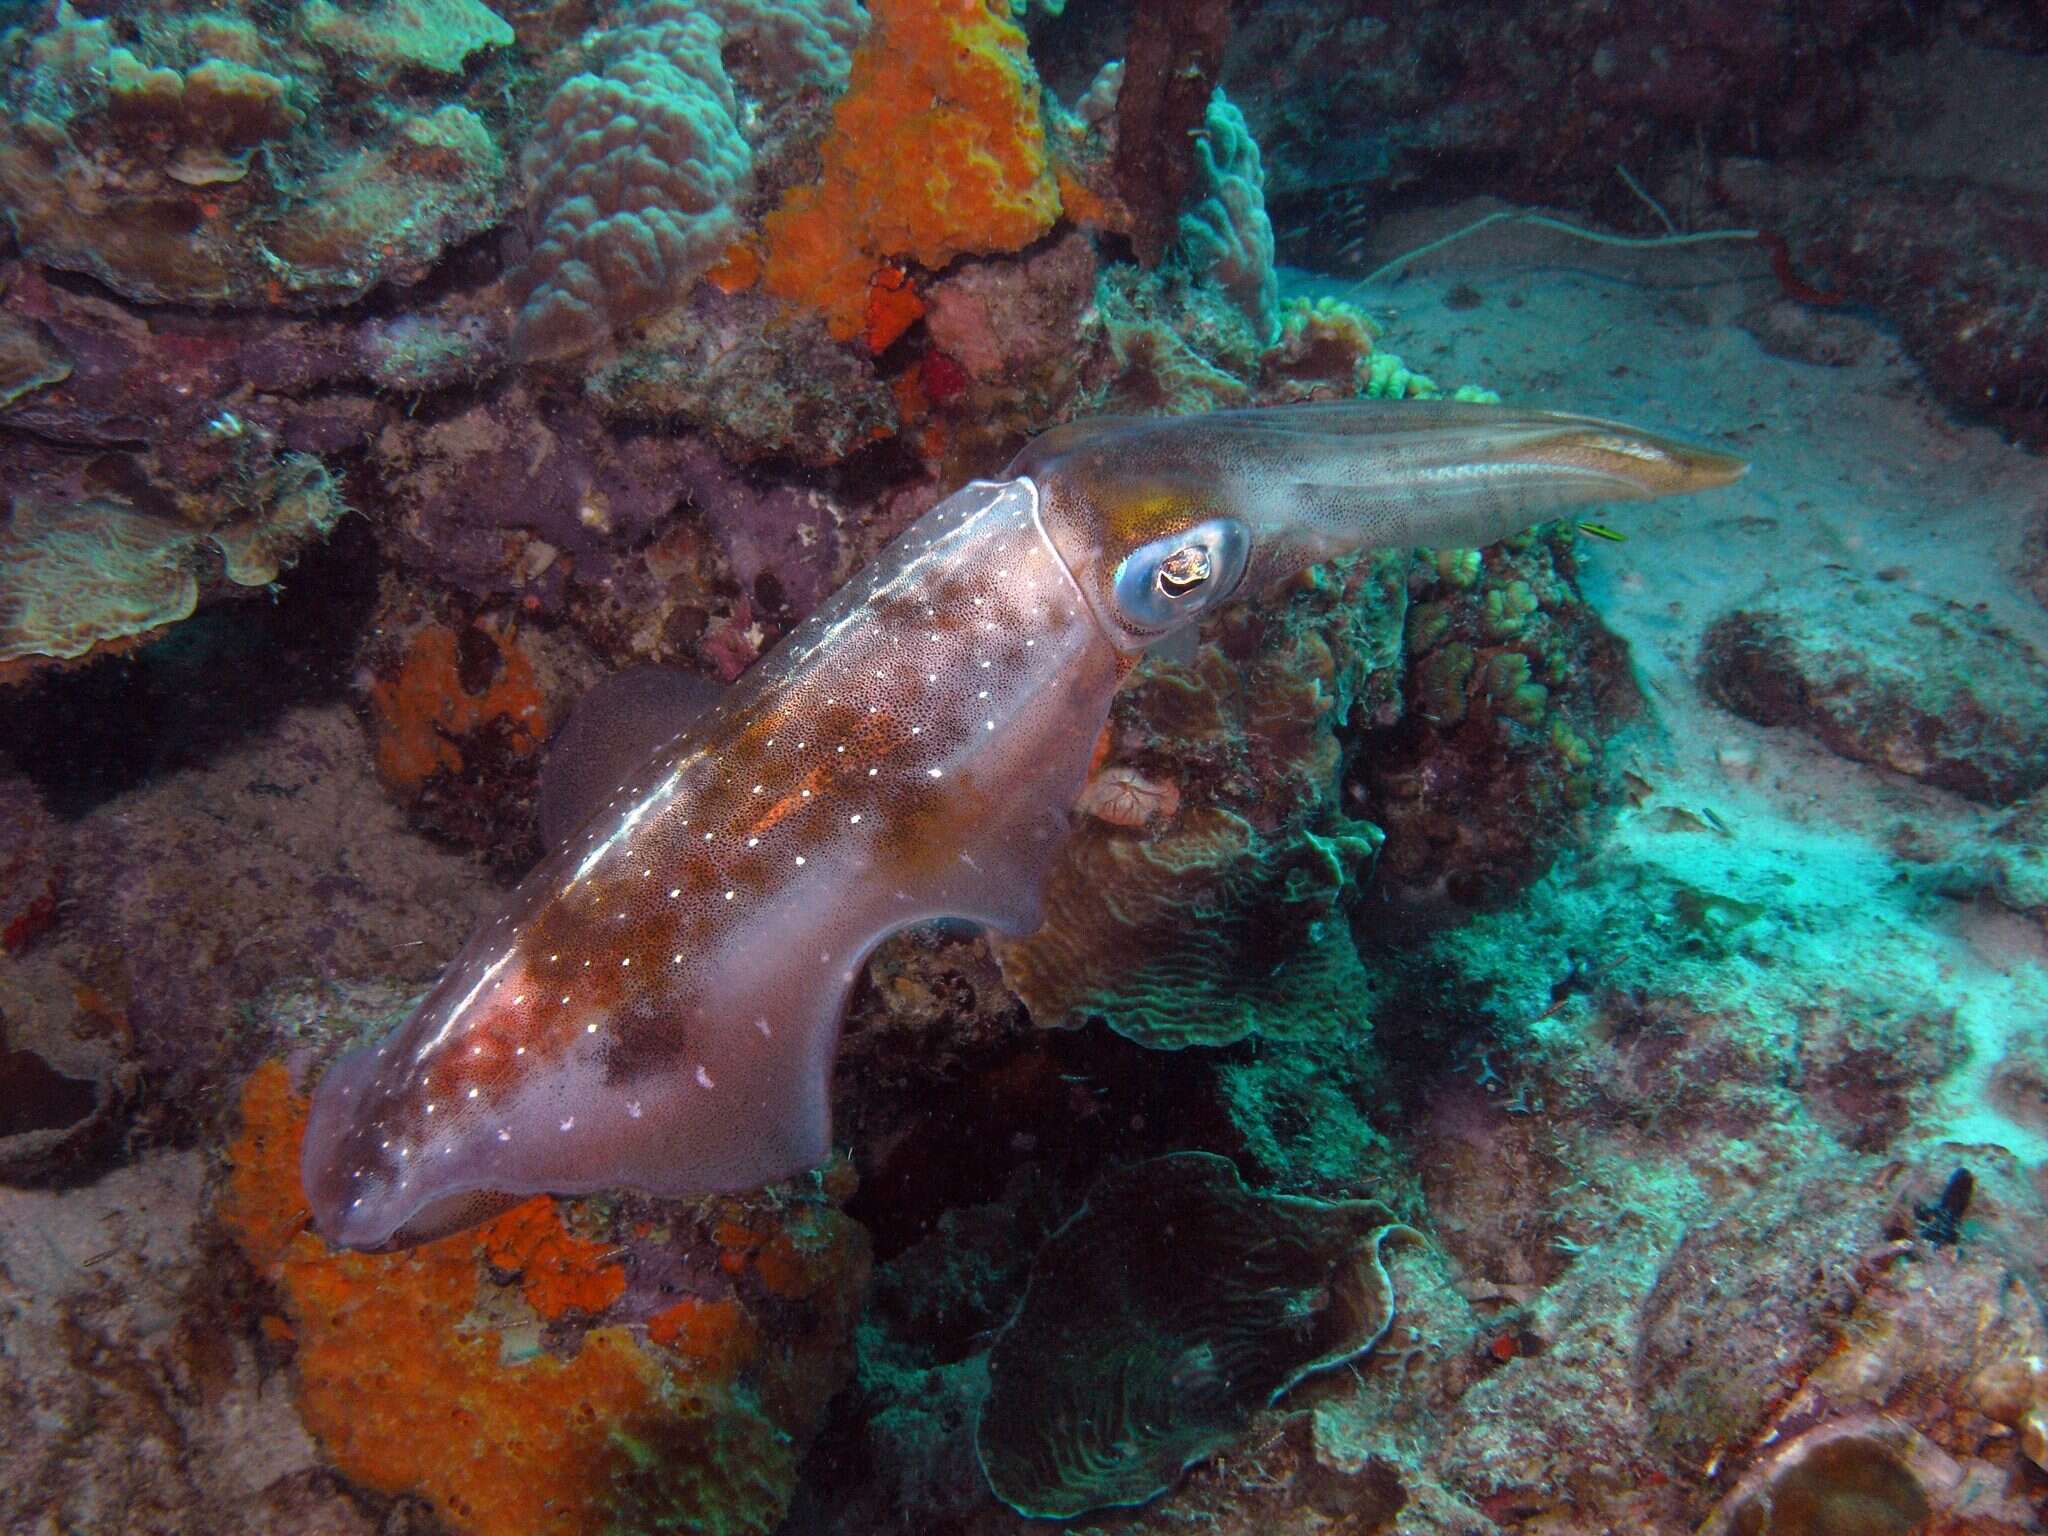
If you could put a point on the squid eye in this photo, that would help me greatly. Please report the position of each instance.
(1173, 580)
(1184, 570)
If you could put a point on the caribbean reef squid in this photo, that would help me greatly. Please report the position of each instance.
(659, 1003)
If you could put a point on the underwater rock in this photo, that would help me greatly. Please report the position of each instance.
(33, 853)
(1355, 105)
(458, 716)
(139, 1396)
(1750, 1302)
(29, 360)
(1001, 363)
(564, 1369)
(759, 381)
(1832, 1304)
(1886, 676)
(173, 943)
(67, 1096)
(1160, 1317)
(1873, 1477)
(1171, 61)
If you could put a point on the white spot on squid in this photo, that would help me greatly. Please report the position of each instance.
(762, 1025)
(704, 1078)
(632, 1109)
(799, 861)
(504, 1135)
(569, 1124)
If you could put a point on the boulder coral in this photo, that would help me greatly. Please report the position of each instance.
(554, 1373)
(632, 173)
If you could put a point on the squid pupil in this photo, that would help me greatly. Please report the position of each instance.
(1184, 570)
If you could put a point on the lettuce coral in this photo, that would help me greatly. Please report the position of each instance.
(936, 151)
(81, 574)
(202, 162)
(1116, 1373)
(1227, 916)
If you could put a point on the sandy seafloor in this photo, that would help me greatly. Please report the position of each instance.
(1856, 470)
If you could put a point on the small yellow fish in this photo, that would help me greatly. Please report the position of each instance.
(1602, 531)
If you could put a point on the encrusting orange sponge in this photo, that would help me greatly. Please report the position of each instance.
(937, 150)
(418, 1374)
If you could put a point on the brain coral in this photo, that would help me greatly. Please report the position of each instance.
(1169, 1309)
(197, 161)
(633, 174)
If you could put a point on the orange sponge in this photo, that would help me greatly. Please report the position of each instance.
(937, 150)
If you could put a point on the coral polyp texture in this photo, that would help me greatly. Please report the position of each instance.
(200, 160)
(936, 151)
(1117, 1373)
(633, 173)
(529, 1379)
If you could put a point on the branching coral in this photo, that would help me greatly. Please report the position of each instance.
(936, 151)
(1225, 234)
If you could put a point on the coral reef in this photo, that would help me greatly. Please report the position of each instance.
(201, 161)
(633, 173)
(936, 151)
(527, 1378)
(1228, 915)
(1115, 1375)
(80, 575)
(1225, 234)
(761, 383)
(1511, 685)
(1894, 678)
